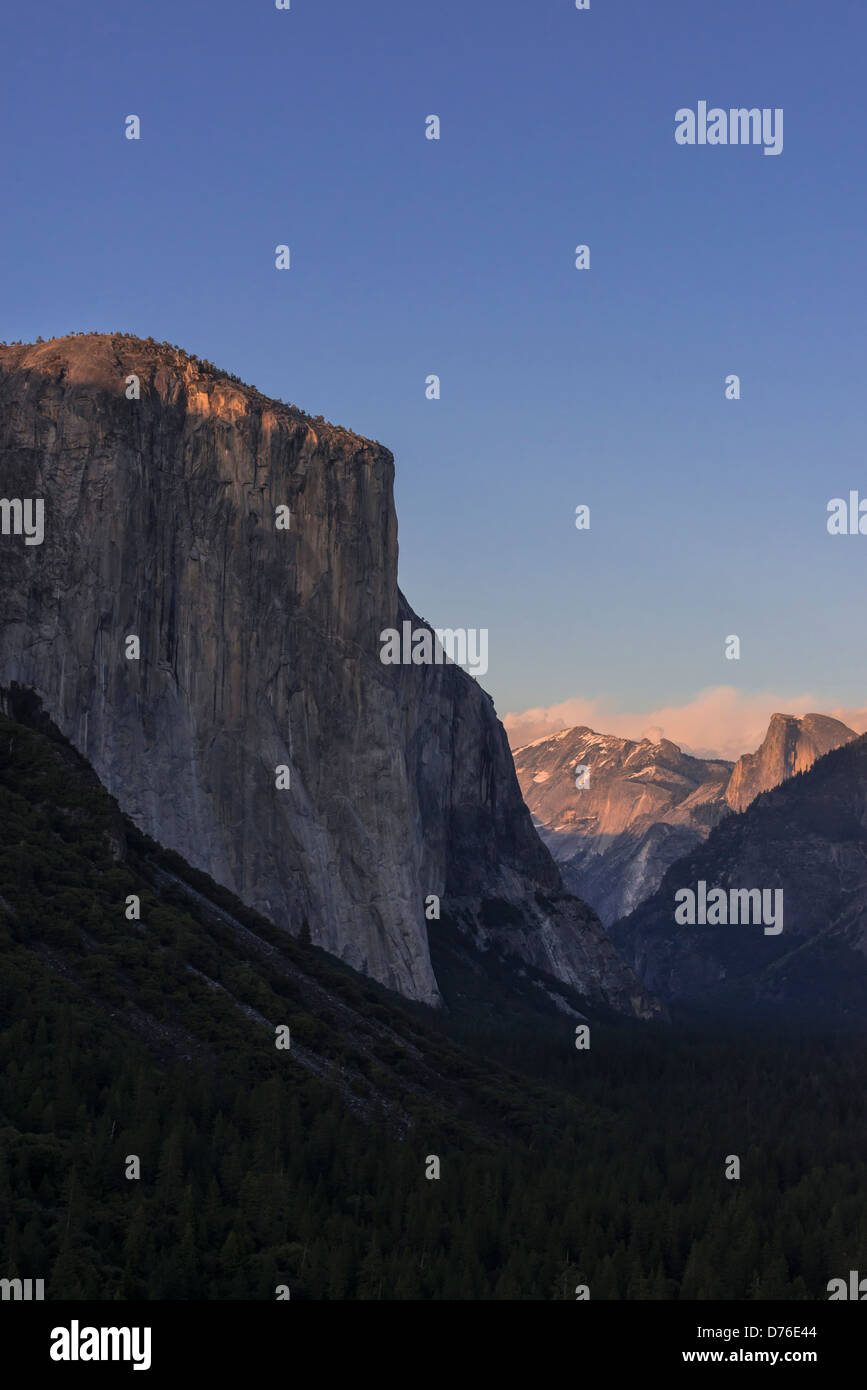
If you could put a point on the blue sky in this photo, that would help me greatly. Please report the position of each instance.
(456, 257)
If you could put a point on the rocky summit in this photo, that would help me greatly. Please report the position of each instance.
(790, 746)
(641, 806)
(644, 804)
(202, 619)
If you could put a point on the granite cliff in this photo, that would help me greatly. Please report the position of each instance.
(259, 650)
(791, 745)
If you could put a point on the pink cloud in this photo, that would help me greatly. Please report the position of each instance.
(718, 722)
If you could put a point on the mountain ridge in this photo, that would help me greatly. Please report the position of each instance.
(648, 803)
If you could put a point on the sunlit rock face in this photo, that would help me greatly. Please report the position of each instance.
(642, 805)
(646, 803)
(791, 745)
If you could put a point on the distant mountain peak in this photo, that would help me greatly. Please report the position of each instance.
(646, 802)
(791, 745)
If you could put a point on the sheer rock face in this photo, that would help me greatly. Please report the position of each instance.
(260, 648)
(791, 745)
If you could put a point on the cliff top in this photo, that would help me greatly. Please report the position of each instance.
(99, 358)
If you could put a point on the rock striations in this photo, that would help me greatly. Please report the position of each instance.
(259, 649)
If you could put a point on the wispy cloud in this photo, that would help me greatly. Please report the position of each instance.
(718, 722)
